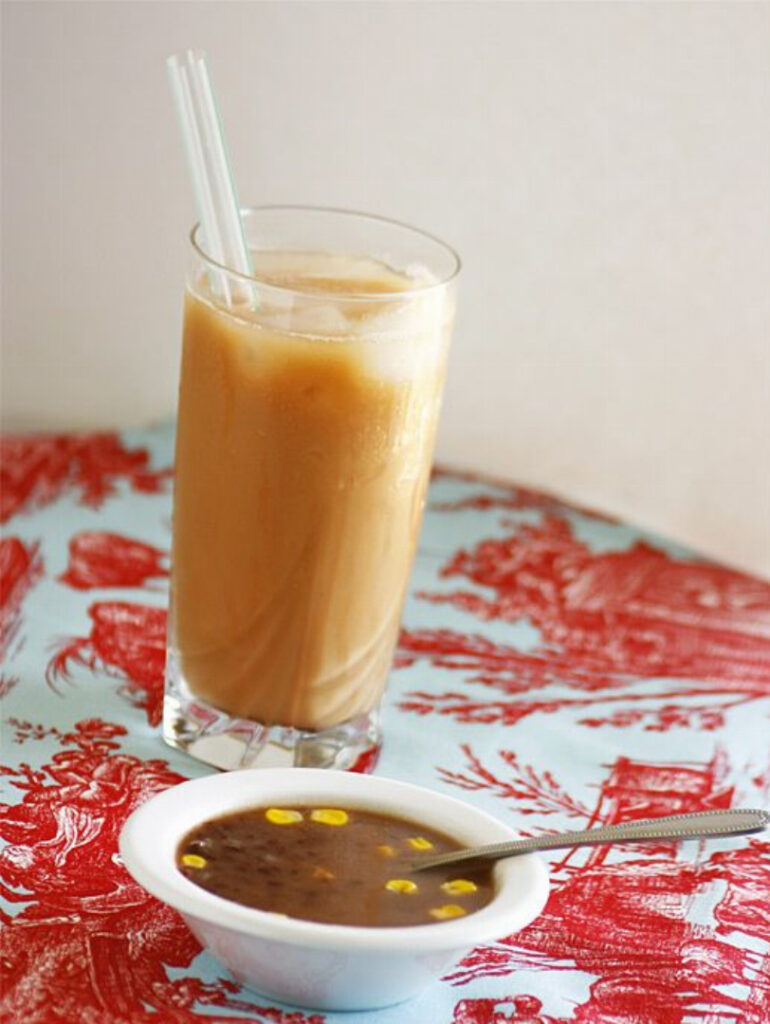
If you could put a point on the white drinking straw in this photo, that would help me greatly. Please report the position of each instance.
(216, 200)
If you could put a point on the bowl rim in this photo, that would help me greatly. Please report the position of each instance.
(522, 882)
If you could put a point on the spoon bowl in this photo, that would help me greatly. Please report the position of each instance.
(326, 966)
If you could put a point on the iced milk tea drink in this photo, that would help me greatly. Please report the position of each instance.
(308, 407)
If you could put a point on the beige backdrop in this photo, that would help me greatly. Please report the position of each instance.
(603, 169)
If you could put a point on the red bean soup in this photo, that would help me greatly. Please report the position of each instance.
(332, 865)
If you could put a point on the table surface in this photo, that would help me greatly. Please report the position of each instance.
(556, 668)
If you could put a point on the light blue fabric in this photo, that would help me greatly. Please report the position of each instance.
(548, 770)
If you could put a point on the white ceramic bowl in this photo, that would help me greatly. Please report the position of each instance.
(327, 967)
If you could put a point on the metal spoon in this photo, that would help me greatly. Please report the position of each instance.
(672, 826)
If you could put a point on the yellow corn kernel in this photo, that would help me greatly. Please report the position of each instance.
(282, 816)
(329, 816)
(323, 873)
(459, 887)
(447, 911)
(192, 860)
(386, 851)
(401, 885)
(420, 843)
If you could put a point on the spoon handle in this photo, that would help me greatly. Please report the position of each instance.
(673, 826)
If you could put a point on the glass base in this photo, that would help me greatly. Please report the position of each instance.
(214, 737)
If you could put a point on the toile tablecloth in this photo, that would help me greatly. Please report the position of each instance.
(556, 668)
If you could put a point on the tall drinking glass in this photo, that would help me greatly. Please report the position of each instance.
(308, 407)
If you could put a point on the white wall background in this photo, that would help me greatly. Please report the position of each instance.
(604, 170)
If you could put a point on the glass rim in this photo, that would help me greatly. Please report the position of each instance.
(419, 290)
